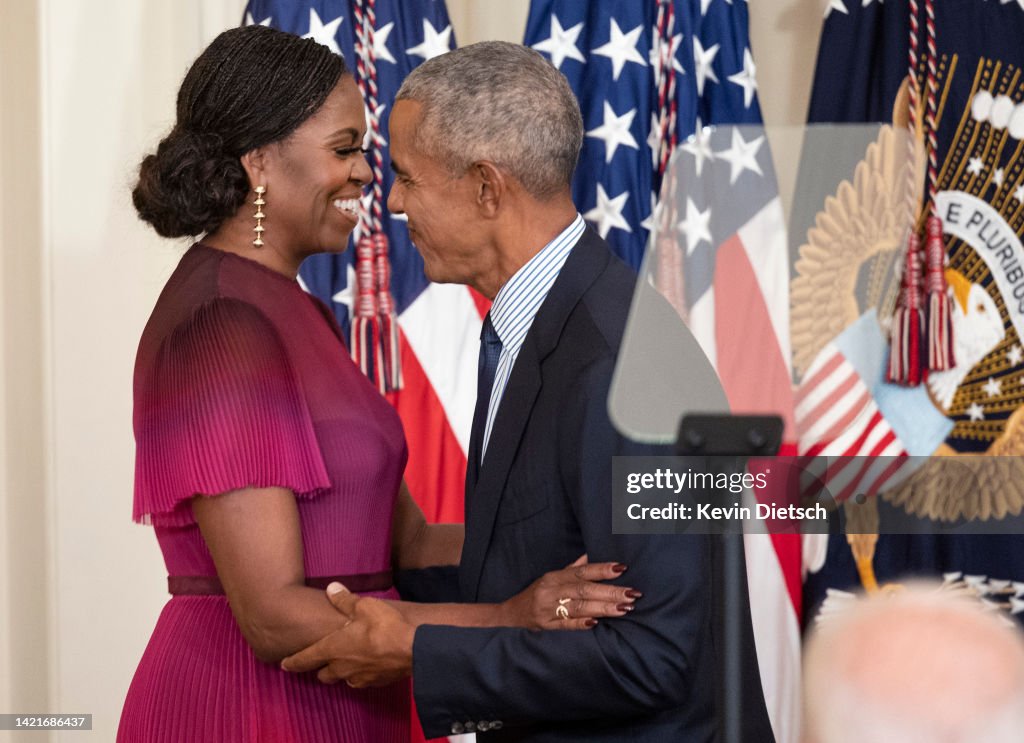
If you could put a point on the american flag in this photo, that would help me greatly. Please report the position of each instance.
(659, 75)
(838, 418)
(439, 324)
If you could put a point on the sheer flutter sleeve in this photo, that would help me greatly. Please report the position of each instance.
(222, 410)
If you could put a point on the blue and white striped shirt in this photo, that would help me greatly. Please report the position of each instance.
(516, 305)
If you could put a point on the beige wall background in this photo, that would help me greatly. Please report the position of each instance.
(85, 90)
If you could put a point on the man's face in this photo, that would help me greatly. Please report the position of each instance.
(444, 222)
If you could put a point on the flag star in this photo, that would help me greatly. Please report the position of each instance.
(621, 48)
(993, 387)
(698, 144)
(866, 3)
(380, 43)
(976, 412)
(1018, 193)
(654, 140)
(742, 155)
(998, 177)
(347, 295)
(1015, 355)
(250, 21)
(561, 44)
(704, 7)
(652, 219)
(615, 131)
(745, 78)
(608, 212)
(696, 228)
(702, 59)
(974, 166)
(434, 43)
(324, 33)
(836, 5)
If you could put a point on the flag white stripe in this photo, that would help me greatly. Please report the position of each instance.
(875, 436)
(813, 398)
(776, 635)
(824, 356)
(844, 441)
(816, 431)
(764, 240)
(702, 325)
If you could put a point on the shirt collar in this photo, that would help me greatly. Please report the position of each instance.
(517, 302)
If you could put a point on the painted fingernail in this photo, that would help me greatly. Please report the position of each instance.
(333, 588)
(618, 568)
(590, 623)
(624, 607)
(633, 594)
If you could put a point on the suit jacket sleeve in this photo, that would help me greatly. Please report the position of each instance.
(625, 667)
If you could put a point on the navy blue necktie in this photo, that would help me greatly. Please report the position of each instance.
(490, 351)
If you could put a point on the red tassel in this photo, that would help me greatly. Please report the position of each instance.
(391, 363)
(940, 318)
(905, 339)
(364, 321)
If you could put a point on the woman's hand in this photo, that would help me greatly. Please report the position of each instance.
(570, 598)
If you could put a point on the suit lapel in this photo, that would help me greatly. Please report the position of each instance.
(484, 488)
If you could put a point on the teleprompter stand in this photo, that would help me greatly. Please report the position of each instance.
(728, 441)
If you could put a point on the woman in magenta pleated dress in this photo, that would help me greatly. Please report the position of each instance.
(267, 464)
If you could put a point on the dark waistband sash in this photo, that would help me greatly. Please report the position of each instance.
(210, 585)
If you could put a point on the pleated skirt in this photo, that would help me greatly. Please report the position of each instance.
(199, 681)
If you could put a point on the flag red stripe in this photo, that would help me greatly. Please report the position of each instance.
(884, 442)
(819, 376)
(849, 417)
(806, 421)
(855, 448)
(787, 548)
(483, 304)
(437, 466)
(752, 369)
(854, 484)
(750, 363)
(888, 473)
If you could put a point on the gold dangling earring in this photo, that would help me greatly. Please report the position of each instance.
(259, 216)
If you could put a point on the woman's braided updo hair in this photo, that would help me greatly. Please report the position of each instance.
(250, 87)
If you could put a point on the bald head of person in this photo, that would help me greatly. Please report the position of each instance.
(919, 666)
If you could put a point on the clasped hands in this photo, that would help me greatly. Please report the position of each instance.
(373, 646)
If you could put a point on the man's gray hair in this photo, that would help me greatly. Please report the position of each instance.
(500, 102)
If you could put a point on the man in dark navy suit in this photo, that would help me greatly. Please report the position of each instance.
(484, 141)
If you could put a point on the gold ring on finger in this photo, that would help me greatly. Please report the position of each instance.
(562, 611)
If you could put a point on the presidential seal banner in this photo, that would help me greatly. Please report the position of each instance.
(965, 160)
